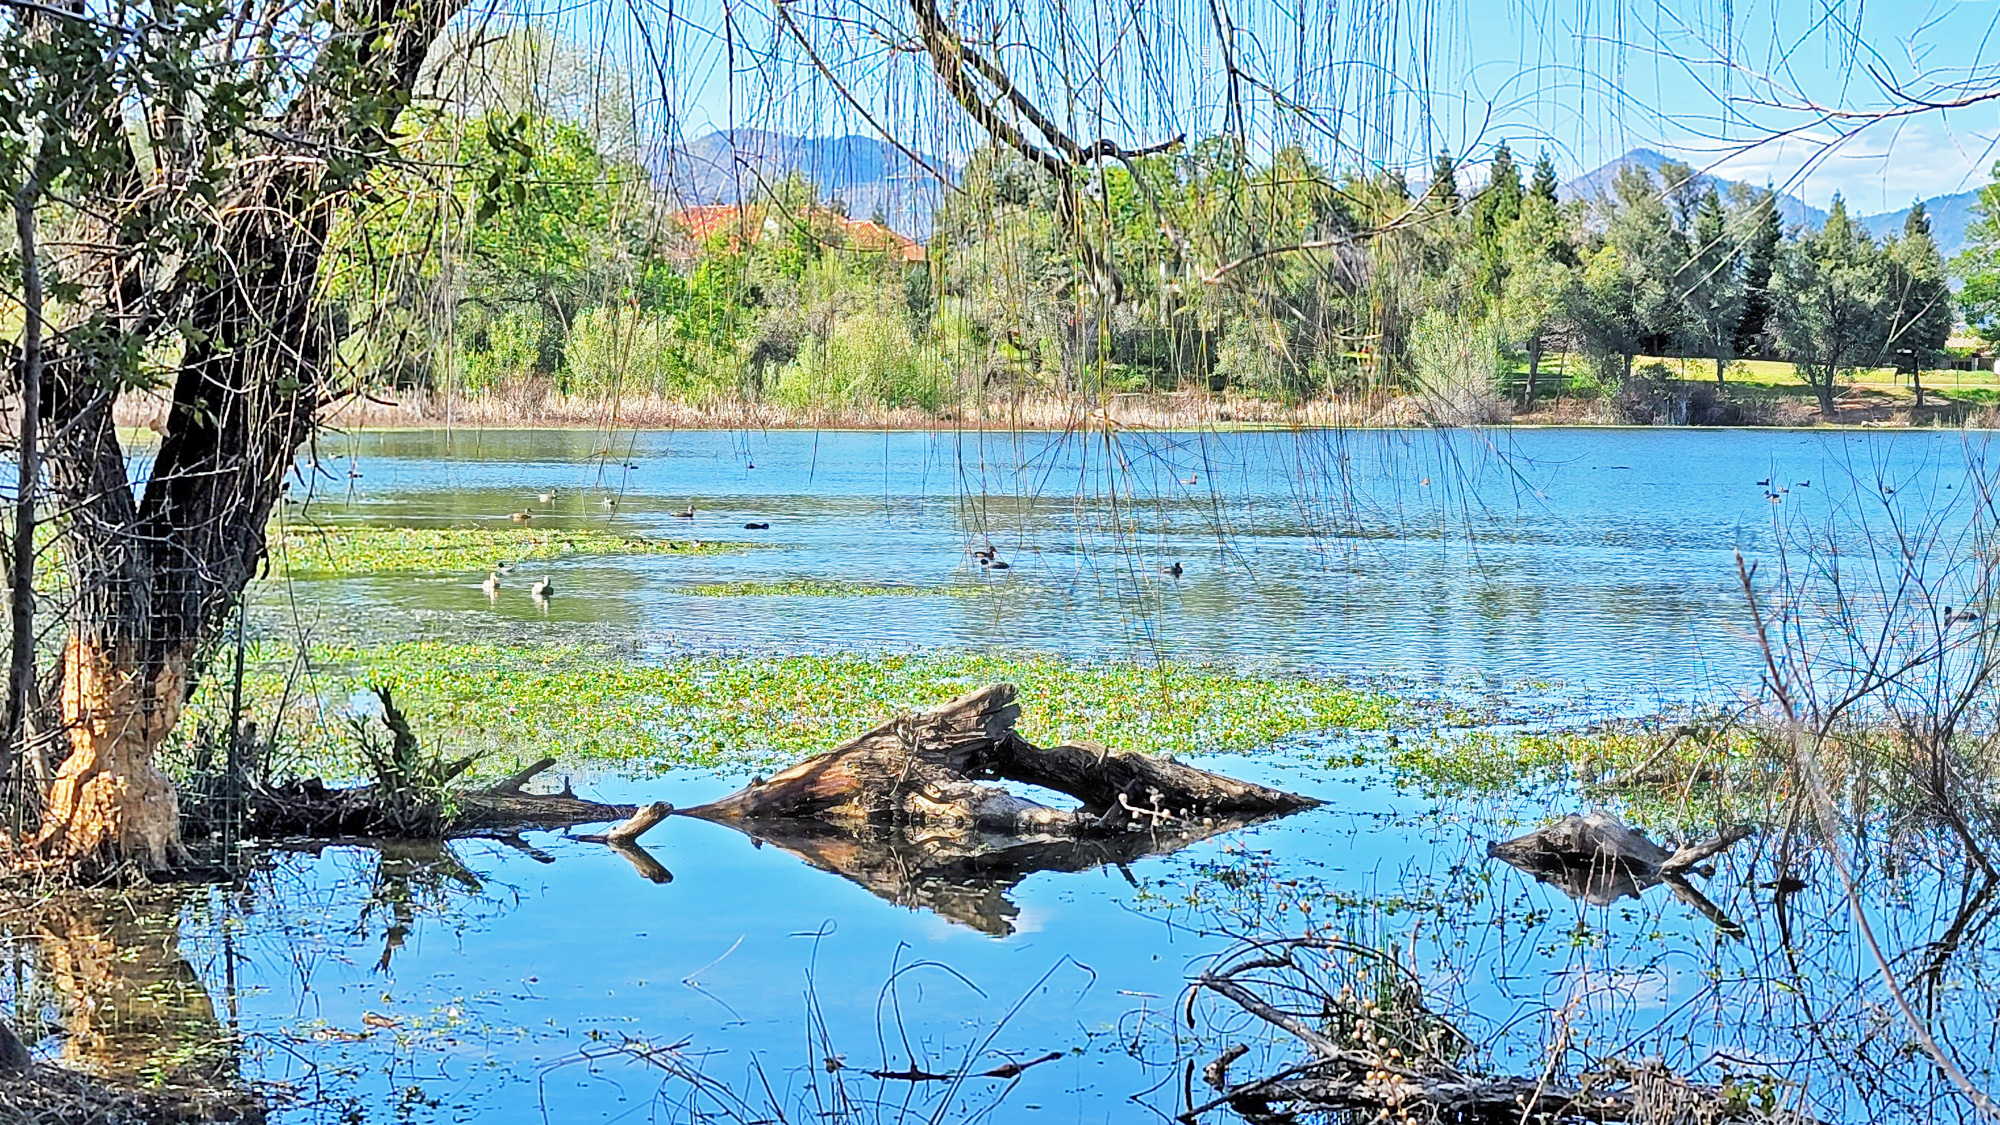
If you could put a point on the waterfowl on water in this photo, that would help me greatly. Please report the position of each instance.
(609, 501)
(544, 588)
(1193, 478)
(686, 513)
(546, 497)
(522, 516)
(756, 527)
(1173, 571)
(503, 568)
(1963, 616)
(492, 584)
(991, 563)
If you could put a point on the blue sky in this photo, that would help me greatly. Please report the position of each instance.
(1587, 79)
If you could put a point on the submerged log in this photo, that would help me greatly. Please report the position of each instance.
(925, 771)
(1598, 859)
(311, 808)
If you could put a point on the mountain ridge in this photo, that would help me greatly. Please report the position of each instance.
(1950, 213)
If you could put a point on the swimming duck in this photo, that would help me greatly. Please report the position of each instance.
(544, 588)
(492, 584)
(1193, 478)
(503, 568)
(756, 527)
(991, 563)
(1173, 571)
(546, 497)
(522, 516)
(610, 501)
(686, 513)
(1963, 616)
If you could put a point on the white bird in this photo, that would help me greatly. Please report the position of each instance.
(547, 497)
(492, 584)
(544, 588)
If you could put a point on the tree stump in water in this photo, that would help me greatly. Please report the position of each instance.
(925, 770)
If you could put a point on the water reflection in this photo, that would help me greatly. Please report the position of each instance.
(965, 877)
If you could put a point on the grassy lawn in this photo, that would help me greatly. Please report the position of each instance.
(1763, 379)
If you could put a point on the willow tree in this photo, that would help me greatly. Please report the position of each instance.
(174, 172)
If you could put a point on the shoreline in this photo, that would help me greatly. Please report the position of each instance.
(144, 414)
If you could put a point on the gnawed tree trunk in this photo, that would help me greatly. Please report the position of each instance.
(109, 800)
(925, 770)
(154, 576)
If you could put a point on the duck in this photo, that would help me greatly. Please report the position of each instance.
(756, 527)
(522, 516)
(686, 513)
(983, 554)
(609, 501)
(1193, 478)
(548, 497)
(1173, 571)
(503, 568)
(991, 563)
(544, 588)
(492, 584)
(1960, 617)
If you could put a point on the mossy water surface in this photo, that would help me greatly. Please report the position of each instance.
(593, 707)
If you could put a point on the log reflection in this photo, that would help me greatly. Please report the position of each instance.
(965, 877)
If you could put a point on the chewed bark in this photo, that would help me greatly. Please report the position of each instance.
(110, 803)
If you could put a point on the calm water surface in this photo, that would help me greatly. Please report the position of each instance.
(508, 983)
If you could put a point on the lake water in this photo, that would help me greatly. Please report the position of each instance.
(549, 982)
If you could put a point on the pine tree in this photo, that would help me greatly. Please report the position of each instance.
(1760, 260)
(1496, 209)
(1544, 183)
(1713, 283)
(1921, 316)
(1444, 184)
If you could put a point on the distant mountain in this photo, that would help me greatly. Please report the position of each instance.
(1793, 210)
(867, 176)
(1949, 214)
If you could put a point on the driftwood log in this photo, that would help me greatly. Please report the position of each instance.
(927, 771)
(1599, 859)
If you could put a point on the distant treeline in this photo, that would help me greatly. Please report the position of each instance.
(512, 253)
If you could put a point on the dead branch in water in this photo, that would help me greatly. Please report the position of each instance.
(1405, 1062)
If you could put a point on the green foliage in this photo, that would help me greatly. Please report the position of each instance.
(584, 707)
(1979, 263)
(1833, 296)
(344, 552)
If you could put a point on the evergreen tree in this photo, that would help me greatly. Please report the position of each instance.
(1760, 242)
(1495, 210)
(1921, 313)
(1713, 283)
(1443, 192)
(1544, 183)
(1831, 312)
(1537, 282)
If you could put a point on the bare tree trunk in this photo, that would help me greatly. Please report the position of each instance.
(1534, 368)
(21, 595)
(1721, 366)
